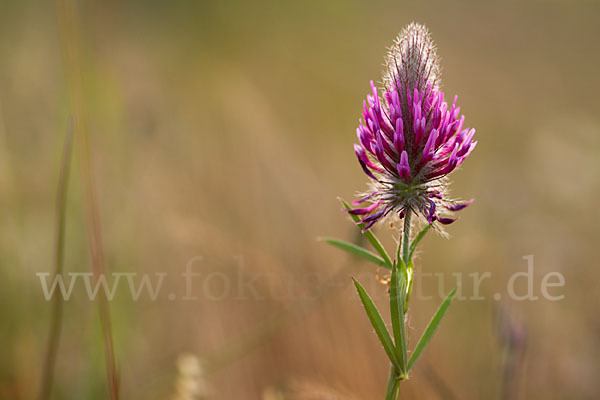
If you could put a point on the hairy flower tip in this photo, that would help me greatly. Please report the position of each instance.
(409, 138)
(412, 60)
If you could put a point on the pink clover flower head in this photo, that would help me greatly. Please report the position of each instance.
(409, 137)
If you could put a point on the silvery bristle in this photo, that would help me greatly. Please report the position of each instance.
(412, 60)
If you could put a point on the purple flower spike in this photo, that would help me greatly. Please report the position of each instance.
(410, 139)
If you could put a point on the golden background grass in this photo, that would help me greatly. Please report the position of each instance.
(225, 130)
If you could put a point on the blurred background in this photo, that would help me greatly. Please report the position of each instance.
(224, 130)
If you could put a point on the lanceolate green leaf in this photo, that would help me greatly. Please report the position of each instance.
(357, 250)
(397, 293)
(378, 325)
(433, 324)
(417, 239)
(370, 237)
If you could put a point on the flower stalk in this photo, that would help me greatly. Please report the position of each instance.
(397, 376)
(393, 388)
(406, 238)
(410, 141)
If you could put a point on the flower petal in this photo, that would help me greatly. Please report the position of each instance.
(403, 167)
(460, 206)
(365, 210)
(446, 221)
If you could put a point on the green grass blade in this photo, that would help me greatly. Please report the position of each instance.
(370, 237)
(49, 366)
(433, 324)
(356, 250)
(397, 293)
(417, 239)
(378, 324)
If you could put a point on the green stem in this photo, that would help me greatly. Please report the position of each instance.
(393, 386)
(406, 237)
(396, 389)
(406, 255)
